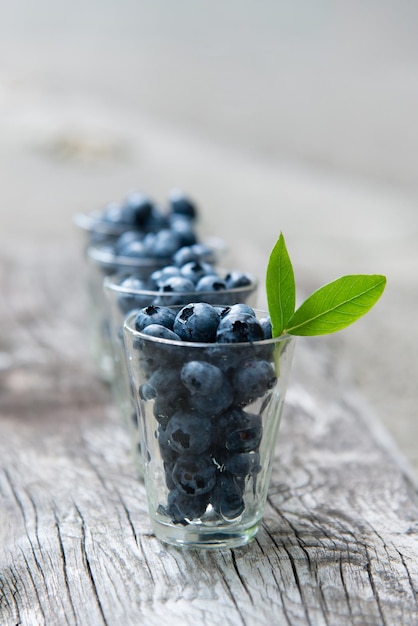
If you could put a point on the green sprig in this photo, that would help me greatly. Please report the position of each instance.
(328, 310)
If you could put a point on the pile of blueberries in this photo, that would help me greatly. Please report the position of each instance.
(138, 228)
(188, 274)
(201, 397)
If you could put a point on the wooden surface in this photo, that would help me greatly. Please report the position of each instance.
(339, 541)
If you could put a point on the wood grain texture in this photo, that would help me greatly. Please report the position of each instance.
(339, 540)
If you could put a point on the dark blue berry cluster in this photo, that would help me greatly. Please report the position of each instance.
(203, 402)
(138, 228)
(188, 274)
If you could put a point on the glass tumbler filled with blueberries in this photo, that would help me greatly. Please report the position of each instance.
(209, 384)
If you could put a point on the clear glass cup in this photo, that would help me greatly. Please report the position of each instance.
(122, 300)
(208, 433)
(102, 262)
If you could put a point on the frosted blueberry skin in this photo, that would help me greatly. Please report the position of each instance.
(181, 507)
(182, 205)
(195, 270)
(252, 380)
(197, 322)
(188, 432)
(155, 315)
(194, 475)
(227, 497)
(160, 332)
(202, 378)
(239, 328)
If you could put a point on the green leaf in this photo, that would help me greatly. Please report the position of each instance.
(280, 287)
(337, 305)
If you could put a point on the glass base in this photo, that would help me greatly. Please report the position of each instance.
(204, 538)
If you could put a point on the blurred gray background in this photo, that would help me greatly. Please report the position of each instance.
(297, 116)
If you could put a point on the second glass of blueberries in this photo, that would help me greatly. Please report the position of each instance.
(209, 384)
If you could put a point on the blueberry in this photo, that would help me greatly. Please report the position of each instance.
(239, 328)
(188, 432)
(164, 380)
(213, 286)
(265, 324)
(162, 244)
(201, 377)
(156, 221)
(125, 239)
(194, 475)
(195, 270)
(239, 431)
(203, 252)
(173, 290)
(183, 508)
(154, 315)
(166, 405)
(213, 403)
(160, 354)
(252, 379)
(136, 209)
(161, 332)
(227, 498)
(185, 255)
(147, 392)
(181, 204)
(243, 463)
(240, 307)
(158, 277)
(197, 322)
(183, 227)
(237, 279)
(133, 249)
(211, 392)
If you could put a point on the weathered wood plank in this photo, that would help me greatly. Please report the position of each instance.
(338, 545)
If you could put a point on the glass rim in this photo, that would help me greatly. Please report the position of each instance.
(110, 284)
(92, 221)
(99, 253)
(128, 328)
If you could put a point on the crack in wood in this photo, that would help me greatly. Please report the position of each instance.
(345, 589)
(64, 565)
(35, 587)
(374, 587)
(410, 579)
(128, 517)
(232, 597)
(148, 566)
(277, 581)
(241, 579)
(87, 565)
(298, 584)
